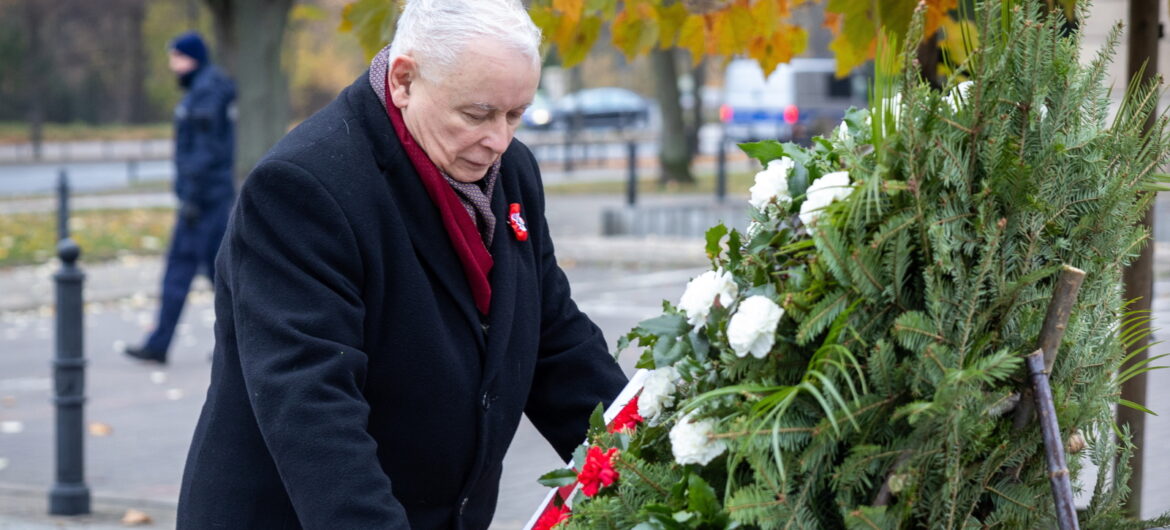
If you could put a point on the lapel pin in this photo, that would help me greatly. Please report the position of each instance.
(519, 227)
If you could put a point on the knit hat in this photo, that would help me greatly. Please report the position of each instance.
(191, 45)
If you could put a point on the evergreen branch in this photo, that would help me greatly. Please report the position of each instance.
(631, 467)
(1010, 499)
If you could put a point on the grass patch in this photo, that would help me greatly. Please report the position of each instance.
(15, 132)
(737, 184)
(31, 238)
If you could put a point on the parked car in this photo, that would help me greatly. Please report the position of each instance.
(608, 107)
(798, 100)
(540, 114)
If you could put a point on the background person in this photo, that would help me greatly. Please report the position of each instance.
(204, 142)
(389, 303)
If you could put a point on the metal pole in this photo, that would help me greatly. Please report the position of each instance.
(721, 171)
(132, 171)
(632, 185)
(62, 204)
(69, 494)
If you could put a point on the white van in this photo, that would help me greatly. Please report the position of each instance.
(800, 99)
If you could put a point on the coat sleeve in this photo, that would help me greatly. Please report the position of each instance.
(574, 371)
(295, 278)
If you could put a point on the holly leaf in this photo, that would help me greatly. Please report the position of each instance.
(558, 477)
(714, 240)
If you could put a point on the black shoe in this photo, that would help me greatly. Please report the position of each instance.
(145, 355)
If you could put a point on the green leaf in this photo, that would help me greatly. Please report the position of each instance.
(1135, 406)
(668, 325)
(579, 455)
(558, 477)
(596, 421)
(714, 238)
(701, 496)
(668, 352)
(765, 151)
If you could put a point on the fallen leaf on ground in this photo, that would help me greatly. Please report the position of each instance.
(136, 518)
(97, 428)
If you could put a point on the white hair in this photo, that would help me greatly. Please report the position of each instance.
(436, 32)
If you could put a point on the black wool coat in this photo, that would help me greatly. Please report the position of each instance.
(354, 384)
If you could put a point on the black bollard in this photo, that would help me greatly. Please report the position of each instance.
(69, 494)
(62, 204)
(721, 171)
(632, 185)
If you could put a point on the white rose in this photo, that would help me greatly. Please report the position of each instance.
(753, 326)
(822, 192)
(703, 291)
(772, 183)
(657, 392)
(691, 441)
(958, 95)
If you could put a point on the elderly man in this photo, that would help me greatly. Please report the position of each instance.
(388, 301)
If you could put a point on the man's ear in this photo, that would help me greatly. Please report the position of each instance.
(402, 74)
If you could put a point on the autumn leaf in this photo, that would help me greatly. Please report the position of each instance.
(575, 43)
(693, 37)
(670, 23)
(371, 21)
(570, 9)
(786, 43)
(635, 30)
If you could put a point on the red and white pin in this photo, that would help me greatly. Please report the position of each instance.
(519, 227)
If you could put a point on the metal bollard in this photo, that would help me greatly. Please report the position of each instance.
(69, 494)
(132, 171)
(632, 185)
(721, 171)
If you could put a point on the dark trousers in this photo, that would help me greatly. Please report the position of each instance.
(193, 245)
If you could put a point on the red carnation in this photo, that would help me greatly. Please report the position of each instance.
(628, 418)
(552, 516)
(598, 471)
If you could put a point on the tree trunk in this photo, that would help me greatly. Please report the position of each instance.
(1143, 51)
(250, 34)
(135, 94)
(674, 155)
(699, 76)
(34, 67)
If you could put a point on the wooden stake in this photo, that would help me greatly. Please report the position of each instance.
(1051, 333)
(1066, 515)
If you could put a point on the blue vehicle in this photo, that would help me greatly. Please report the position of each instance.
(798, 100)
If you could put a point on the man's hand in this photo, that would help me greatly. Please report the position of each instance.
(189, 213)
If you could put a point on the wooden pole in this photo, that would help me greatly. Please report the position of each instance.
(1066, 514)
(1051, 333)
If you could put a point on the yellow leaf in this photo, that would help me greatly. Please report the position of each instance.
(764, 15)
(693, 36)
(936, 12)
(635, 30)
(670, 22)
(787, 42)
(576, 42)
(571, 9)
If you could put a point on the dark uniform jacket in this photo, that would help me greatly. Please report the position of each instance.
(204, 139)
(354, 384)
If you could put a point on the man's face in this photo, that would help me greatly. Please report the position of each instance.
(466, 118)
(181, 63)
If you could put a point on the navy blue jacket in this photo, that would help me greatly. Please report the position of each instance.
(353, 384)
(205, 139)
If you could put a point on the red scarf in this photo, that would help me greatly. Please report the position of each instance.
(461, 230)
